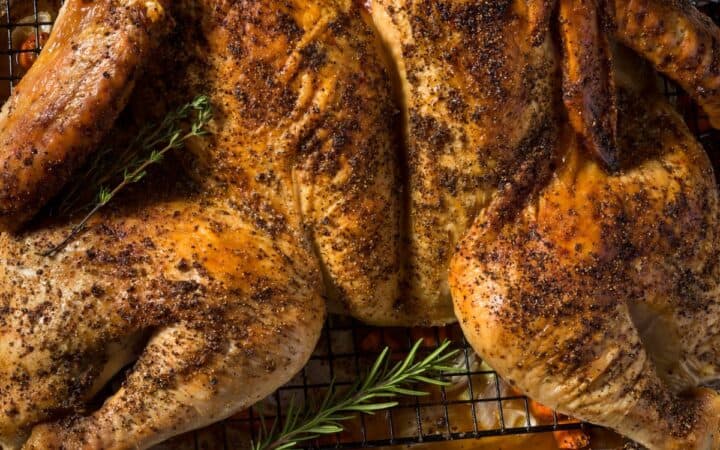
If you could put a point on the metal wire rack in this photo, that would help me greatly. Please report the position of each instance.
(478, 403)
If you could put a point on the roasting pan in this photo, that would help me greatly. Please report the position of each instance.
(478, 410)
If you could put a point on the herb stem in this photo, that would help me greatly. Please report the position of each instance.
(133, 167)
(365, 397)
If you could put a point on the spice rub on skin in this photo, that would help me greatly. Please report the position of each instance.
(210, 271)
(679, 41)
(582, 299)
(504, 105)
(476, 83)
(296, 195)
(70, 98)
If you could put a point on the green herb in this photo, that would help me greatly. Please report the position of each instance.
(375, 393)
(130, 165)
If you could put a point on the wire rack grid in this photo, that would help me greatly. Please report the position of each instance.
(477, 404)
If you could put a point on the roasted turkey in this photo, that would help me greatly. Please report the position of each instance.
(504, 162)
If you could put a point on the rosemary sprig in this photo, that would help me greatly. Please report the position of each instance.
(381, 385)
(130, 165)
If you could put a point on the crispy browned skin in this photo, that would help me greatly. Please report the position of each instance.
(600, 297)
(217, 260)
(679, 40)
(588, 86)
(475, 81)
(70, 98)
(567, 269)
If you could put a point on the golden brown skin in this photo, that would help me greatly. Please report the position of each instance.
(297, 188)
(476, 84)
(679, 40)
(187, 283)
(70, 97)
(588, 85)
(211, 270)
(600, 296)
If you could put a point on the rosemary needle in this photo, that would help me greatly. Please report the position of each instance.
(376, 392)
(154, 142)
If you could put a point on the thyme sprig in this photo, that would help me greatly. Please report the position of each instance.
(130, 165)
(377, 392)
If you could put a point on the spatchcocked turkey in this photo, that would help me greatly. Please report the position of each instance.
(506, 155)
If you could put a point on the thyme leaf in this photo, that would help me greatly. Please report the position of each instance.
(130, 165)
